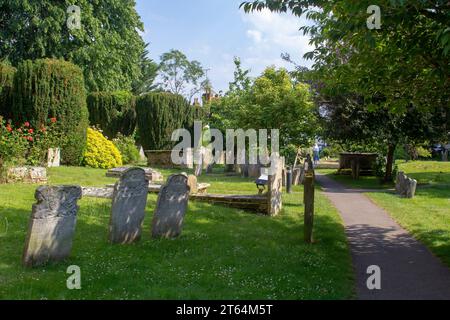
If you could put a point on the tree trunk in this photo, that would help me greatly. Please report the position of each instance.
(390, 163)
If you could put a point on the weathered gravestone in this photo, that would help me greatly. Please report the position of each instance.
(53, 157)
(52, 225)
(198, 170)
(198, 162)
(297, 176)
(128, 207)
(405, 187)
(171, 208)
(275, 203)
(192, 183)
(208, 159)
(188, 158)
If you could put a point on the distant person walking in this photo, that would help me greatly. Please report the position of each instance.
(316, 150)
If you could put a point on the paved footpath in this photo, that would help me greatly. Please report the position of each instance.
(409, 271)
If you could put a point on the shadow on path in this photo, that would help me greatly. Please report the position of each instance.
(409, 271)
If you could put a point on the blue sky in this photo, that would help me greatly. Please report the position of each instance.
(214, 31)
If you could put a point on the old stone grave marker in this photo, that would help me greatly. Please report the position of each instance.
(275, 202)
(405, 186)
(171, 208)
(52, 225)
(192, 183)
(128, 207)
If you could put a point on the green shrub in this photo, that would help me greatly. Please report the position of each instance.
(100, 152)
(159, 115)
(49, 88)
(127, 148)
(6, 88)
(113, 112)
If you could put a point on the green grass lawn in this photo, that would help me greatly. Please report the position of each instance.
(427, 216)
(223, 253)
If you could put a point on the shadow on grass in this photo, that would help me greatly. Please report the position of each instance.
(434, 192)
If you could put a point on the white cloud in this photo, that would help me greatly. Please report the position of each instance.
(255, 35)
(272, 34)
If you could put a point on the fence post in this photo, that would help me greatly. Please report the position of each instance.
(309, 205)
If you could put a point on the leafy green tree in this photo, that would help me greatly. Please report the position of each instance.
(242, 80)
(349, 122)
(271, 101)
(402, 66)
(181, 76)
(274, 101)
(407, 60)
(149, 71)
(223, 111)
(107, 47)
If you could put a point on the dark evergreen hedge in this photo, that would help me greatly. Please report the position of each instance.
(6, 88)
(50, 88)
(159, 114)
(113, 112)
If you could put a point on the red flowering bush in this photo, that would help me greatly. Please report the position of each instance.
(13, 145)
(24, 145)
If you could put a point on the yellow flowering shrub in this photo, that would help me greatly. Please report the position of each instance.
(100, 152)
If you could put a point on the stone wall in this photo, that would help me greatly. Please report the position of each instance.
(160, 158)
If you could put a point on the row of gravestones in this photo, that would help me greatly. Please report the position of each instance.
(54, 216)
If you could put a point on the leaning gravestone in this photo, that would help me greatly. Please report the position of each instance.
(297, 176)
(128, 207)
(171, 208)
(52, 225)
